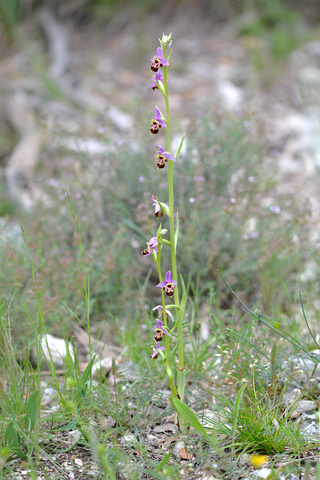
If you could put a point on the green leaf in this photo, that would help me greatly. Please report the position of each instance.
(172, 306)
(32, 410)
(13, 439)
(166, 242)
(189, 416)
(180, 146)
(82, 384)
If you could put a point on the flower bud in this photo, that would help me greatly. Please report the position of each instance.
(166, 40)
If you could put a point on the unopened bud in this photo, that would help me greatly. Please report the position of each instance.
(166, 40)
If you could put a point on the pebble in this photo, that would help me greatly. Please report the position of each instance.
(57, 348)
(310, 431)
(128, 438)
(73, 436)
(304, 406)
(177, 448)
(152, 439)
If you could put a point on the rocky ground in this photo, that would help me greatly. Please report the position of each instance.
(102, 77)
(68, 86)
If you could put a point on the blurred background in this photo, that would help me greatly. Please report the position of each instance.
(75, 114)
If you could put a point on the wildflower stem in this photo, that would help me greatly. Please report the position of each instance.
(167, 344)
(172, 232)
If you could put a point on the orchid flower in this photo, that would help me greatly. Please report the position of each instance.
(157, 209)
(160, 310)
(155, 350)
(158, 76)
(163, 157)
(158, 60)
(152, 245)
(157, 122)
(168, 284)
(159, 331)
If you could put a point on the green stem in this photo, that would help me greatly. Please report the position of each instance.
(170, 376)
(164, 316)
(172, 232)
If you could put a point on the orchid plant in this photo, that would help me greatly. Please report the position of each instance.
(168, 329)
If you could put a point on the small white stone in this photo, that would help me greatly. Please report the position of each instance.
(304, 406)
(262, 473)
(152, 439)
(73, 436)
(128, 438)
(56, 347)
(102, 367)
(177, 448)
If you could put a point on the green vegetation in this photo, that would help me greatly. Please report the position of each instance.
(77, 267)
(87, 272)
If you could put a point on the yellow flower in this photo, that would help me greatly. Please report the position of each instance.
(258, 460)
